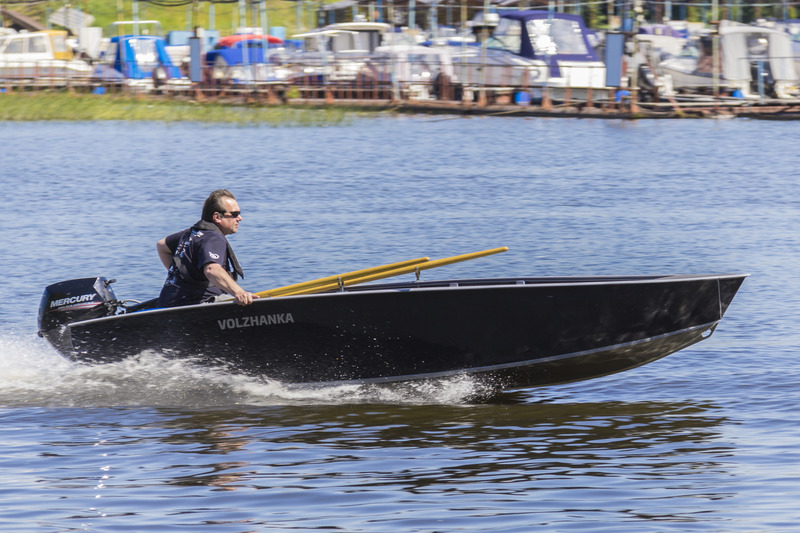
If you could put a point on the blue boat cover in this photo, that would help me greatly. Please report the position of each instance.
(132, 67)
(527, 49)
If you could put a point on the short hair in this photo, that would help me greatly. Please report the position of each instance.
(213, 203)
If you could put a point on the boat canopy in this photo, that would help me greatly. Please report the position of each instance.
(543, 35)
(742, 46)
(137, 56)
(231, 41)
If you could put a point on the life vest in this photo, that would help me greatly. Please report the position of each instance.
(232, 266)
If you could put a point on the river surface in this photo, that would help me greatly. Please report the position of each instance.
(707, 439)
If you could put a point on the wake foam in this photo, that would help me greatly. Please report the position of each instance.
(34, 374)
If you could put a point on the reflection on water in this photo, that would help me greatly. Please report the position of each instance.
(543, 430)
(548, 458)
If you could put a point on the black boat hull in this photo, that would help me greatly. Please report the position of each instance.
(516, 332)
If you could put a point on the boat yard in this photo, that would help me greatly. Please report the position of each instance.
(506, 63)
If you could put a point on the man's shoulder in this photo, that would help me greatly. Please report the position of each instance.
(211, 246)
(173, 240)
(210, 236)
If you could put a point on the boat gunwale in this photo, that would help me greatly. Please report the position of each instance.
(446, 285)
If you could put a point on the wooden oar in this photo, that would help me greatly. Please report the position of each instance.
(333, 281)
(336, 282)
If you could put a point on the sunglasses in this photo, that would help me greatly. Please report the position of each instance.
(232, 214)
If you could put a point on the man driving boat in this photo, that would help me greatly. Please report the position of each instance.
(200, 262)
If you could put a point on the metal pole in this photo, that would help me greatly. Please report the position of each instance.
(485, 38)
(299, 15)
(434, 23)
(715, 48)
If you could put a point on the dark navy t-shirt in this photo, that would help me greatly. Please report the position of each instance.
(194, 248)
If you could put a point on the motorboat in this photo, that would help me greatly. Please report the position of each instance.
(40, 57)
(245, 58)
(792, 28)
(663, 39)
(507, 332)
(534, 50)
(138, 59)
(417, 72)
(336, 52)
(752, 62)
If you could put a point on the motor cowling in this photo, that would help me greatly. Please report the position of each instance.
(73, 301)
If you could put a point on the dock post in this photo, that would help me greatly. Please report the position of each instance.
(546, 103)
(482, 100)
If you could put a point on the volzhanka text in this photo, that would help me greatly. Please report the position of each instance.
(256, 320)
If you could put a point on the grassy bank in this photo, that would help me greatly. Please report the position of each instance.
(81, 107)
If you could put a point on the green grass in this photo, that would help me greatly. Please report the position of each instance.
(226, 15)
(61, 106)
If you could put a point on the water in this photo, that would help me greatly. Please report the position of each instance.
(704, 440)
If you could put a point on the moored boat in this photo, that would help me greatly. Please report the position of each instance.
(534, 50)
(336, 52)
(138, 60)
(243, 59)
(510, 332)
(40, 58)
(752, 62)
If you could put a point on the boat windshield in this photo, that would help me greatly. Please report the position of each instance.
(16, 46)
(342, 41)
(38, 45)
(690, 50)
(424, 66)
(757, 45)
(59, 43)
(145, 52)
(556, 36)
(506, 36)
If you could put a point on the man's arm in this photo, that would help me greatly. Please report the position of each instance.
(222, 280)
(164, 253)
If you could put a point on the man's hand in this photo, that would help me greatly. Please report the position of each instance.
(245, 298)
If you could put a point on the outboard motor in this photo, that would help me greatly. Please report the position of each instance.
(72, 301)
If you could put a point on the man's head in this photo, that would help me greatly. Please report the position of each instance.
(221, 209)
